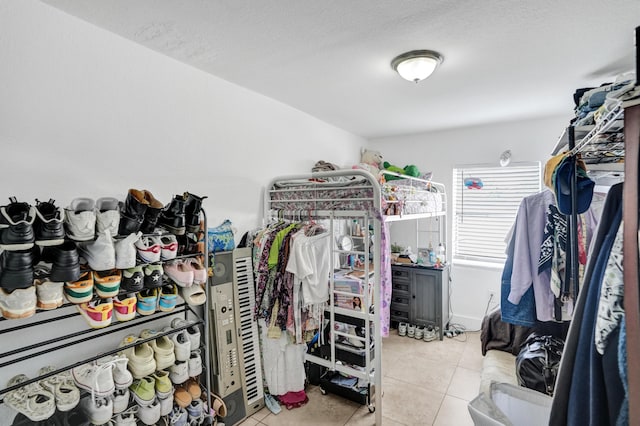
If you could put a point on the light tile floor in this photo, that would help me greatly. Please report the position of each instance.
(425, 383)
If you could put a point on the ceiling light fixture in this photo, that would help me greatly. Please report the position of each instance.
(417, 64)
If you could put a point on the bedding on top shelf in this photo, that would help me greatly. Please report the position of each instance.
(411, 196)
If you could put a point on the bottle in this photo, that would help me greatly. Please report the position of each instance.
(432, 254)
(441, 256)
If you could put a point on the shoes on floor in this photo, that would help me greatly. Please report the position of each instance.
(153, 275)
(172, 216)
(169, 246)
(80, 219)
(126, 251)
(419, 333)
(133, 279)
(124, 307)
(163, 348)
(32, 400)
(49, 224)
(179, 272)
(141, 358)
(411, 330)
(107, 283)
(65, 262)
(132, 212)
(194, 295)
(99, 254)
(107, 215)
(18, 303)
(168, 298)
(272, 404)
(63, 388)
(16, 268)
(147, 301)
(148, 248)
(80, 290)
(16, 225)
(430, 334)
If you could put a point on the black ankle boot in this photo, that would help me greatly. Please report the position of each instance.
(172, 217)
(192, 211)
(132, 212)
(151, 214)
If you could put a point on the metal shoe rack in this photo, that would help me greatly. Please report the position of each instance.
(89, 338)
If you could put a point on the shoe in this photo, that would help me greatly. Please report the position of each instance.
(141, 360)
(430, 334)
(192, 209)
(50, 294)
(95, 378)
(98, 313)
(99, 254)
(148, 249)
(194, 295)
(81, 290)
(63, 388)
(126, 251)
(153, 276)
(402, 329)
(122, 377)
(65, 262)
(195, 363)
(272, 404)
(195, 410)
(107, 215)
(99, 410)
(16, 225)
(179, 372)
(178, 416)
(16, 270)
(169, 246)
(132, 279)
(411, 330)
(107, 283)
(121, 401)
(181, 397)
(19, 303)
(193, 331)
(154, 207)
(80, 219)
(181, 344)
(147, 301)
(162, 348)
(163, 386)
(143, 390)
(193, 387)
(168, 298)
(124, 307)
(179, 272)
(419, 333)
(74, 418)
(49, 224)
(132, 212)
(166, 404)
(172, 216)
(150, 414)
(32, 400)
(126, 418)
(200, 274)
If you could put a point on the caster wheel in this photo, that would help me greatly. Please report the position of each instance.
(371, 408)
(322, 391)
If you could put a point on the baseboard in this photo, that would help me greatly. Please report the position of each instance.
(469, 323)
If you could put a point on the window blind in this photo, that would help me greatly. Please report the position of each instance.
(483, 217)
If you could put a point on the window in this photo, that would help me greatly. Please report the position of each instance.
(483, 216)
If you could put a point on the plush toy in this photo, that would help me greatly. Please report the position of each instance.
(409, 170)
(370, 161)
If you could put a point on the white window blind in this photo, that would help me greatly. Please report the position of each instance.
(483, 217)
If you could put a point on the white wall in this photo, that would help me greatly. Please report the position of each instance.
(440, 152)
(84, 112)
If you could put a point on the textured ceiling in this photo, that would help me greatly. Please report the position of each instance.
(504, 59)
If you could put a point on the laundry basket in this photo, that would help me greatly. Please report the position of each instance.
(509, 405)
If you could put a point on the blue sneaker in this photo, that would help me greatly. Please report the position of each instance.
(168, 298)
(147, 301)
(272, 404)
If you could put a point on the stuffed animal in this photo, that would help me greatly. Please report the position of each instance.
(409, 170)
(370, 161)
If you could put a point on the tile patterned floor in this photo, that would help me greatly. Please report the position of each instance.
(444, 376)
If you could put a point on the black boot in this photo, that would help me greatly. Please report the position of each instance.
(152, 213)
(192, 211)
(132, 212)
(17, 269)
(172, 217)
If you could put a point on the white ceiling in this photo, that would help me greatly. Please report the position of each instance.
(504, 59)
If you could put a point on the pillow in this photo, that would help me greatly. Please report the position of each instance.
(220, 238)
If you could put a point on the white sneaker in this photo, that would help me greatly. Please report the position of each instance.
(127, 418)
(194, 295)
(98, 410)
(120, 400)
(97, 379)
(80, 219)
(122, 377)
(195, 364)
(178, 416)
(193, 331)
(149, 414)
(107, 215)
(181, 344)
(179, 372)
(50, 294)
(100, 254)
(61, 385)
(169, 246)
(141, 360)
(162, 348)
(126, 251)
(32, 400)
(19, 303)
(166, 405)
(148, 249)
